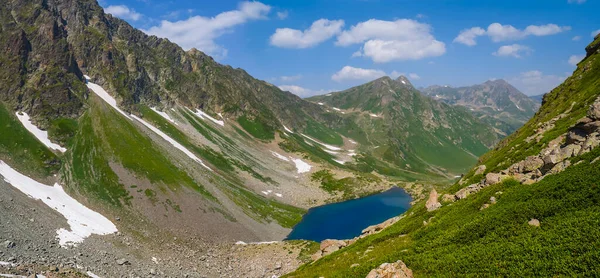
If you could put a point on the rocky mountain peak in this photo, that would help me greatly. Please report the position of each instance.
(404, 81)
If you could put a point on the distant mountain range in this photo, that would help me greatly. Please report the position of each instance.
(495, 102)
(411, 130)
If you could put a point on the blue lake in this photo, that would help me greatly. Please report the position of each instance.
(346, 220)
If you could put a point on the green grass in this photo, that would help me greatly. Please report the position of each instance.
(463, 240)
(322, 133)
(104, 136)
(256, 128)
(63, 130)
(22, 150)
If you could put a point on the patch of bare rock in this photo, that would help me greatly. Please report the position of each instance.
(580, 139)
(391, 270)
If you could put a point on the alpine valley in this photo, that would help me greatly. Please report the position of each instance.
(124, 155)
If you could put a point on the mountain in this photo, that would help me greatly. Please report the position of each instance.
(495, 102)
(414, 131)
(529, 208)
(537, 98)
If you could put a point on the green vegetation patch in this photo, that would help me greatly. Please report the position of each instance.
(256, 128)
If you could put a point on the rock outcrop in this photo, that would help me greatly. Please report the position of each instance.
(578, 140)
(432, 203)
(391, 270)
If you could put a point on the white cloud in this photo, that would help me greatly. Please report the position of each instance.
(123, 12)
(303, 92)
(414, 76)
(467, 36)
(282, 15)
(357, 54)
(575, 59)
(576, 1)
(320, 31)
(594, 33)
(576, 38)
(535, 82)
(352, 73)
(290, 78)
(421, 16)
(498, 32)
(385, 41)
(200, 32)
(514, 50)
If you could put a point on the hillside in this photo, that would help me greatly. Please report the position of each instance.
(494, 102)
(415, 132)
(531, 208)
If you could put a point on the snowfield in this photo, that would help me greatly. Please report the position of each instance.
(275, 154)
(203, 115)
(301, 166)
(164, 115)
(41, 135)
(288, 130)
(332, 148)
(83, 221)
(99, 91)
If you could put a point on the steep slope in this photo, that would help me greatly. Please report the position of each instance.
(408, 129)
(495, 102)
(544, 227)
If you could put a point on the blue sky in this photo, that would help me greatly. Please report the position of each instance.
(312, 47)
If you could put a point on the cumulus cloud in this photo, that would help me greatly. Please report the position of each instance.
(385, 41)
(352, 73)
(575, 59)
(513, 50)
(576, 38)
(303, 92)
(594, 33)
(576, 1)
(123, 12)
(282, 15)
(320, 31)
(467, 36)
(535, 82)
(498, 32)
(200, 32)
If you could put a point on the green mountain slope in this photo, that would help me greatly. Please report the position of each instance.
(408, 129)
(495, 102)
(547, 228)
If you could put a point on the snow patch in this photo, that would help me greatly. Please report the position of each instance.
(92, 275)
(280, 156)
(301, 166)
(86, 77)
(265, 192)
(203, 115)
(82, 221)
(287, 129)
(332, 148)
(172, 141)
(352, 141)
(392, 91)
(41, 135)
(99, 91)
(241, 243)
(164, 115)
(279, 195)
(403, 82)
(320, 103)
(336, 109)
(340, 161)
(330, 152)
(374, 115)
(328, 95)
(6, 264)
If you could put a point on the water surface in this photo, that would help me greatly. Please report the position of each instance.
(346, 220)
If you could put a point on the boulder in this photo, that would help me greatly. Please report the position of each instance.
(494, 178)
(329, 246)
(560, 167)
(531, 163)
(480, 170)
(534, 222)
(8, 244)
(569, 151)
(122, 262)
(492, 200)
(594, 111)
(575, 136)
(317, 255)
(591, 126)
(391, 270)
(432, 203)
(590, 143)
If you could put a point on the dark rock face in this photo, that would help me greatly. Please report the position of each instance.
(47, 45)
